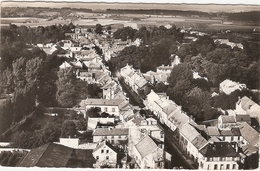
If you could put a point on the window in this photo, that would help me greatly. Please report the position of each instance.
(232, 138)
(227, 166)
(223, 138)
(119, 136)
(102, 151)
(107, 157)
(234, 166)
(105, 109)
(238, 138)
(113, 109)
(215, 166)
(97, 157)
(107, 151)
(112, 137)
(221, 167)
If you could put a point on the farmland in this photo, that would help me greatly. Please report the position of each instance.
(136, 21)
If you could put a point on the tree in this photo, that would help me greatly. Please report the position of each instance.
(65, 94)
(22, 139)
(81, 124)
(98, 29)
(93, 112)
(68, 129)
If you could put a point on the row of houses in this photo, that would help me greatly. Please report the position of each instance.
(213, 147)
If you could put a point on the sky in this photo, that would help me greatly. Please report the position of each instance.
(253, 2)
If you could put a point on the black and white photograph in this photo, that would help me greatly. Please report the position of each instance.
(92, 85)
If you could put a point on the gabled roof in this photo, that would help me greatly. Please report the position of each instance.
(249, 134)
(243, 118)
(48, 155)
(199, 141)
(249, 149)
(179, 119)
(246, 103)
(104, 102)
(189, 132)
(227, 119)
(170, 108)
(105, 143)
(212, 131)
(231, 132)
(146, 146)
(219, 149)
(110, 131)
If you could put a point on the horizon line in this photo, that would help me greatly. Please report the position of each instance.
(135, 2)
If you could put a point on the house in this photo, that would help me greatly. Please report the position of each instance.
(219, 156)
(247, 106)
(191, 141)
(228, 86)
(64, 65)
(226, 122)
(56, 155)
(110, 89)
(113, 135)
(133, 78)
(249, 134)
(110, 106)
(148, 155)
(105, 154)
(231, 135)
(93, 122)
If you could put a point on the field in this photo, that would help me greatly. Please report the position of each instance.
(136, 21)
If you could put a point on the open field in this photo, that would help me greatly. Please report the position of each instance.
(200, 24)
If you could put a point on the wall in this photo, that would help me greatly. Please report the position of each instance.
(102, 156)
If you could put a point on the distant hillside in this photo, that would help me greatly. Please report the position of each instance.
(157, 12)
(163, 6)
(253, 16)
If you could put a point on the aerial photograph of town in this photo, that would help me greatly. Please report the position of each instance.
(128, 85)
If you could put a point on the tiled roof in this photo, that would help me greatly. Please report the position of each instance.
(179, 119)
(110, 132)
(246, 102)
(243, 118)
(48, 155)
(170, 109)
(189, 132)
(199, 141)
(249, 134)
(232, 132)
(249, 149)
(146, 146)
(219, 149)
(104, 102)
(227, 119)
(212, 131)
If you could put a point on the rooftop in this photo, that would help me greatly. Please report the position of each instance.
(219, 149)
(232, 132)
(146, 146)
(105, 143)
(227, 119)
(47, 156)
(249, 134)
(104, 102)
(212, 131)
(56, 155)
(110, 131)
(246, 103)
